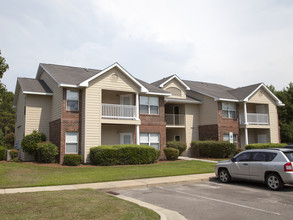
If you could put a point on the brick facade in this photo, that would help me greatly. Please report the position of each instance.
(155, 124)
(208, 132)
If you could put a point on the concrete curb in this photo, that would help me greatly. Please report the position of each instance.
(172, 215)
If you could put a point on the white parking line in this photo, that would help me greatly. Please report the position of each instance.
(221, 201)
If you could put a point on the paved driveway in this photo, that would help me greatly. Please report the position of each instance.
(213, 200)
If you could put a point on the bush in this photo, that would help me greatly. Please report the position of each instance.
(15, 160)
(30, 142)
(123, 154)
(237, 151)
(171, 153)
(2, 153)
(47, 152)
(212, 149)
(9, 141)
(264, 146)
(72, 160)
(181, 146)
(13, 153)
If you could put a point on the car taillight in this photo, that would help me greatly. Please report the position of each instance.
(288, 167)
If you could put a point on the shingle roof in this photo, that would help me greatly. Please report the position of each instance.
(68, 74)
(35, 86)
(159, 82)
(152, 88)
(242, 92)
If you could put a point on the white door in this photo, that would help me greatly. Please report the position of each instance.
(126, 99)
(126, 138)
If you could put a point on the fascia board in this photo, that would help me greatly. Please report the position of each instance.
(37, 93)
(178, 79)
(159, 94)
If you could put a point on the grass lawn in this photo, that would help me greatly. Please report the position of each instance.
(23, 175)
(75, 204)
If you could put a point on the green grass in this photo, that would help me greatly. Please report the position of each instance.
(74, 204)
(24, 175)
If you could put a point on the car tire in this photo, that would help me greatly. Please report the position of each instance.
(224, 176)
(274, 181)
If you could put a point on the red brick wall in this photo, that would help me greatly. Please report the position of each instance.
(208, 132)
(155, 124)
(227, 125)
(55, 130)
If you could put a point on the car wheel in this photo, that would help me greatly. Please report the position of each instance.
(224, 176)
(274, 182)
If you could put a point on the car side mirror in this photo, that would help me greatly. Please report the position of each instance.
(233, 159)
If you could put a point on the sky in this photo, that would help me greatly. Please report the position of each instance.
(230, 42)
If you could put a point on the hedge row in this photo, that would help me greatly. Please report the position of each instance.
(212, 149)
(72, 160)
(2, 153)
(171, 153)
(107, 155)
(264, 146)
(181, 146)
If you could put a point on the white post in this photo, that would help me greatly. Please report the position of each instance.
(137, 134)
(245, 123)
(137, 106)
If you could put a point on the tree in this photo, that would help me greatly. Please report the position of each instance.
(3, 66)
(285, 112)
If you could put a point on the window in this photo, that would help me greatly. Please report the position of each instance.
(149, 105)
(259, 156)
(176, 138)
(228, 110)
(150, 139)
(243, 157)
(126, 138)
(71, 145)
(72, 100)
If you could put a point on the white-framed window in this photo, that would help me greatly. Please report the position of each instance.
(71, 143)
(72, 100)
(149, 105)
(227, 138)
(151, 139)
(229, 110)
(126, 138)
(176, 138)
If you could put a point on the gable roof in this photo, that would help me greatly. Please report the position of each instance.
(34, 86)
(243, 92)
(162, 82)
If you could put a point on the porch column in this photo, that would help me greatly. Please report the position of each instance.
(137, 105)
(245, 123)
(137, 134)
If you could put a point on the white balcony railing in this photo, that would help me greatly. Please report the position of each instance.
(175, 119)
(255, 119)
(123, 112)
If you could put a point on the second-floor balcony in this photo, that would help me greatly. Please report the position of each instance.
(176, 120)
(122, 112)
(254, 119)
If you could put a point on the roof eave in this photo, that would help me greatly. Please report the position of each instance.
(178, 79)
(37, 93)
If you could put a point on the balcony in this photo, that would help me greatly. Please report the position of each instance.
(175, 120)
(120, 112)
(255, 119)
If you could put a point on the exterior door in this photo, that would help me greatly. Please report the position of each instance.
(126, 138)
(176, 115)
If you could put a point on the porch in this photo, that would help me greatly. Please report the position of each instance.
(253, 114)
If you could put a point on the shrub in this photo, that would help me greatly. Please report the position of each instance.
(30, 142)
(9, 141)
(15, 160)
(237, 151)
(212, 149)
(123, 154)
(2, 153)
(171, 153)
(47, 152)
(264, 146)
(13, 153)
(72, 159)
(181, 146)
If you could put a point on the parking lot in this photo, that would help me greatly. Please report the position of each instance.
(214, 200)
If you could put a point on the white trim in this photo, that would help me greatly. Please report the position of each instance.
(278, 101)
(178, 79)
(77, 143)
(157, 93)
(171, 100)
(36, 93)
(68, 85)
(73, 90)
(227, 100)
(86, 82)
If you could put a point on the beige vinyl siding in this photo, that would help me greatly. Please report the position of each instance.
(191, 125)
(38, 114)
(175, 84)
(56, 110)
(208, 111)
(262, 97)
(20, 122)
(111, 80)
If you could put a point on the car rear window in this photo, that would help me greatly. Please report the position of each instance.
(289, 155)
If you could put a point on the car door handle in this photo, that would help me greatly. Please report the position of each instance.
(245, 164)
